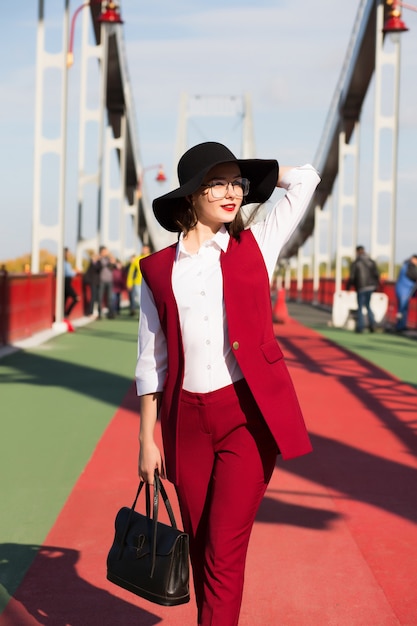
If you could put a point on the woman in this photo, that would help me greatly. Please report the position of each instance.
(209, 364)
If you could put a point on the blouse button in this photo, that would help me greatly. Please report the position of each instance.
(235, 345)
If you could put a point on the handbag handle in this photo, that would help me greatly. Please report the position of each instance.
(158, 489)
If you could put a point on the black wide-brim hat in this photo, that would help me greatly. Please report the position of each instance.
(196, 163)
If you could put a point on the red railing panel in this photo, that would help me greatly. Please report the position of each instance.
(27, 302)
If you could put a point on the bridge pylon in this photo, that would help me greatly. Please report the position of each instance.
(50, 153)
(204, 106)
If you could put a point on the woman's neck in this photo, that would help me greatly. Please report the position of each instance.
(195, 238)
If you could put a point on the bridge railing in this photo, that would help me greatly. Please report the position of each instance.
(27, 305)
(27, 302)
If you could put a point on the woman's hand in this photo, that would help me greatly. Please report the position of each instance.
(283, 169)
(150, 459)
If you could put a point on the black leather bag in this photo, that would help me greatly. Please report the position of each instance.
(147, 557)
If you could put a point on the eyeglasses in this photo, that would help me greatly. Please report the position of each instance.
(220, 188)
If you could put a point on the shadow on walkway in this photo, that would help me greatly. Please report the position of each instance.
(375, 406)
(54, 594)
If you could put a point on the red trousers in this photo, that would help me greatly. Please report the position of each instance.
(226, 458)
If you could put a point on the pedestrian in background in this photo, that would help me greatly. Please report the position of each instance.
(364, 277)
(91, 281)
(405, 288)
(129, 285)
(119, 285)
(105, 264)
(209, 364)
(134, 279)
(70, 295)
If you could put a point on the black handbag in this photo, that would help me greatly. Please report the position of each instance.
(147, 557)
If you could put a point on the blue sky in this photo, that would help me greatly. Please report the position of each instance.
(286, 54)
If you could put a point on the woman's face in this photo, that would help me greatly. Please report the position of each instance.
(213, 211)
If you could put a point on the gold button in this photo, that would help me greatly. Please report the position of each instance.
(235, 345)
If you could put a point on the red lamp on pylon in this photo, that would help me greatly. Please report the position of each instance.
(111, 14)
(394, 23)
(160, 177)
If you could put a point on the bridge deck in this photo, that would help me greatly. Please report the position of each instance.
(335, 540)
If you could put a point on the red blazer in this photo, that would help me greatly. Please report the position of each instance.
(249, 317)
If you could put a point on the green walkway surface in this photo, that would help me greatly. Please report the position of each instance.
(56, 401)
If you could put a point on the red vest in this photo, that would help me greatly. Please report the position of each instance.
(249, 318)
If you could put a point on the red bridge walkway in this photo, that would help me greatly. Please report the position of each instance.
(335, 542)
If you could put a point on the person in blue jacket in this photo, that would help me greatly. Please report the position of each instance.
(405, 288)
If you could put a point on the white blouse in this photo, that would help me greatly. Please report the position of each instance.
(198, 288)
